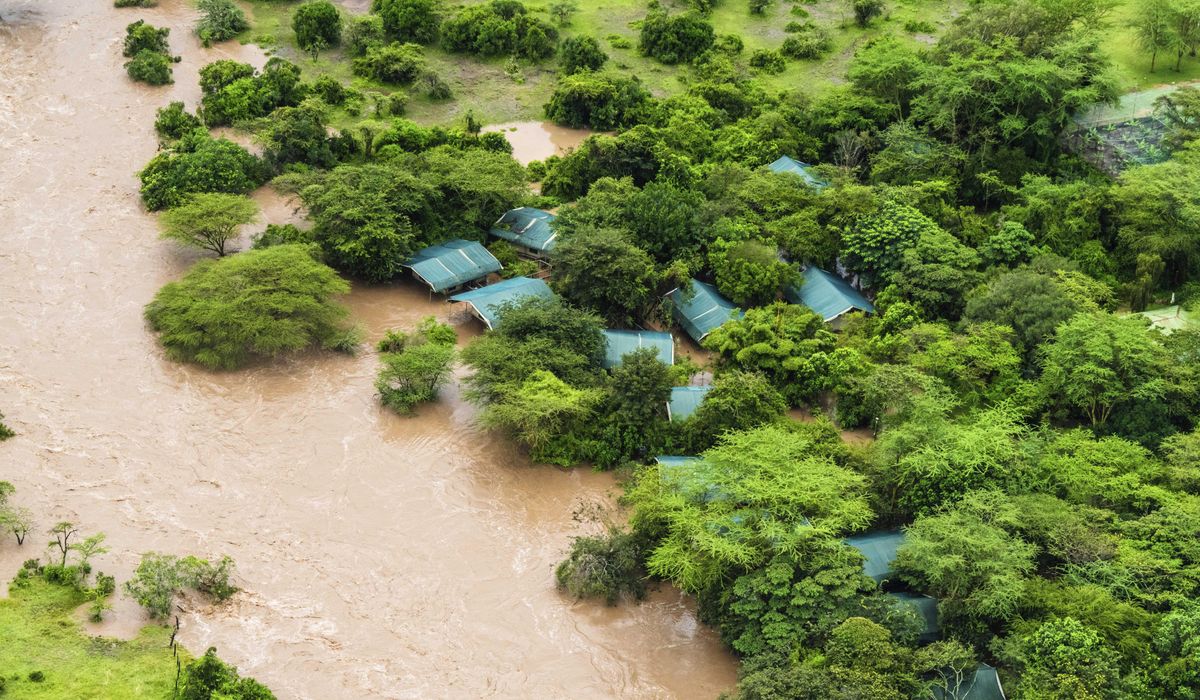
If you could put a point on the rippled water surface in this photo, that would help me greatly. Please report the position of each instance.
(380, 556)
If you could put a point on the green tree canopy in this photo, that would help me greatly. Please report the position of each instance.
(208, 220)
(258, 304)
(601, 269)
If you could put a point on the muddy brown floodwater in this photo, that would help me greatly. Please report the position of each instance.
(539, 140)
(381, 557)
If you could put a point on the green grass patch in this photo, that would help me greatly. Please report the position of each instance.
(1131, 64)
(39, 634)
(483, 86)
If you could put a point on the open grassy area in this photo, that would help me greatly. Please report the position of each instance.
(1131, 64)
(38, 633)
(484, 87)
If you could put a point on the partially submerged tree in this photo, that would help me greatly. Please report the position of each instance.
(208, 221)
(259, 304)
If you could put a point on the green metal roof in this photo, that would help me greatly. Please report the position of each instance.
(879, 549)
(787, 164)
(621, 343)
(685, 400)
(527, 227)
(1170, 318)
(827, 294)
(927, 608)
(487, 301)
(704, 312)
(983, 684)
(452, 264)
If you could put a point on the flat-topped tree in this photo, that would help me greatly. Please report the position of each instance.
(258, 304)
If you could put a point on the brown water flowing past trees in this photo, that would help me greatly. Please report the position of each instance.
(283, 467)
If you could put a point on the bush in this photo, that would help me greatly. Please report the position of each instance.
(409, 20)
(36, 676)
(398, 64)
(207, 318)
(5, 431)
(597, 101)
(198, 163)
(768, 61)
(155, 583)
(608, 566)
(731, 44)
(362, 31)
(435, 87)
(135, 3)
(916, 26)
(150, 67)
(212, 579)
(415, 366)
(580, 53)
(866, 10)
(674, 39)
(329, 90)
(810, 42)
(208, 677)
(281, 234)
(140, 36)
(173, 122)
(235, 92)
(498, 28)
(317, 23)
(220, 20)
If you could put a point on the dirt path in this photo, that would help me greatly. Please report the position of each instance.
(381, 557)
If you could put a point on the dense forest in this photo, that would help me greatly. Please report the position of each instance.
(992, 462)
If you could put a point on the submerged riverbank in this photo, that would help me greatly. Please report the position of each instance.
(381, 556)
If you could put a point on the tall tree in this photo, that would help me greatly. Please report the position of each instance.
(1152, 22)
(208, 220)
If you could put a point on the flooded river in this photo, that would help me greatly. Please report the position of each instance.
(380, 556)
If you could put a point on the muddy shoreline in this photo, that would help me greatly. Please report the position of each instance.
(381, 556)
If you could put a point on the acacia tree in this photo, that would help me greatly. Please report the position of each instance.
(62, 532)
(974, 566)
(1098, 361)
(208, 220)
(261, 303)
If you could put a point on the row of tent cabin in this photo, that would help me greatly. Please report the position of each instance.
(487, 302)
(454, 264)
(702, 309)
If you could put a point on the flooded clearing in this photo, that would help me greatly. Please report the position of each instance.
(380, 556)
(539, 140)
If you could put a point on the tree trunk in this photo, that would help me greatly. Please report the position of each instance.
(1153, 58)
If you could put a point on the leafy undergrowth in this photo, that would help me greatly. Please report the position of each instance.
(41, 639)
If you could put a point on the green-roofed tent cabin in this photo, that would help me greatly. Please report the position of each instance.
(704, 311)
(452, 264)
(528, 228)
(926, 606)
(786, 164)
(983, 684)
(685, 400)
(486, 302)
(828, 295)
(618, 344)
(879, 551)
